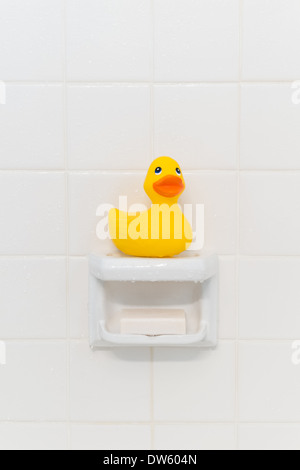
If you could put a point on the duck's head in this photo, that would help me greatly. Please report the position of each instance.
(164, 182)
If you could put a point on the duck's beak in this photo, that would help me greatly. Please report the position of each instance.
(169, 186)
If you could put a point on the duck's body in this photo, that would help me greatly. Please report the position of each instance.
(163, 230)
(162, 244)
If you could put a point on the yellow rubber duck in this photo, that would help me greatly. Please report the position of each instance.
(162, 231)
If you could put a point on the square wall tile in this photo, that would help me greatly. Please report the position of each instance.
(269, 383)
(193, 385)
(269, 208)
(194, 437)
(196, 40)
(109, 40)
(271, 39)
(20, 436)
(109, 386)
(110, 437)
(217, 191)
(270, 123)
(87, 193)
(32, 127)
(269, 302)
(78, 297)
(31, 38)
(269, 437)
(33, 298)
(32, 213)
(227, 301)
(33, 382)
(109, 127)
(197, 125)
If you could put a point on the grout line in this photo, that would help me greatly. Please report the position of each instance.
(238, 226)
(35, 340)
(42, 171)
(268, 257)
(185, 83)
(264, 171)
(152, 146)
(107, 171)
(152, 398)
(124, 171)
(225, 423)
(44, 257)
(151, 125)
(96, 83)
(32, 257)
(84, 423)
(148, 423)
(66, 163)
(152, 106)
(33, 170)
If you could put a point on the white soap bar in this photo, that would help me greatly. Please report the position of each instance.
(153, 322)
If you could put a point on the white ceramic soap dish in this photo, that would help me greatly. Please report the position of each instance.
(153, 301)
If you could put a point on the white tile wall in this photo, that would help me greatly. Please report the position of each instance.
(194, 437)
(87, 191)
(20, 436)
(179, 396)
(269, 208)
(269, 437)
(109, 40)
(187, 120)
(196, 40)
(271, 39)
(110, 437)
(33, 382)
(269, 128)
(31, 128)
(102, 391)
(109, 127)
(32, 213)
(78, 297)
(269, 302)
(31, 37)
(33, 298)
(218, 192)
(269, 383)
(228, 301)
(90, 92)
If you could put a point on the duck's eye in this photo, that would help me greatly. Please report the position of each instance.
(178, 171)
(158, 170)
